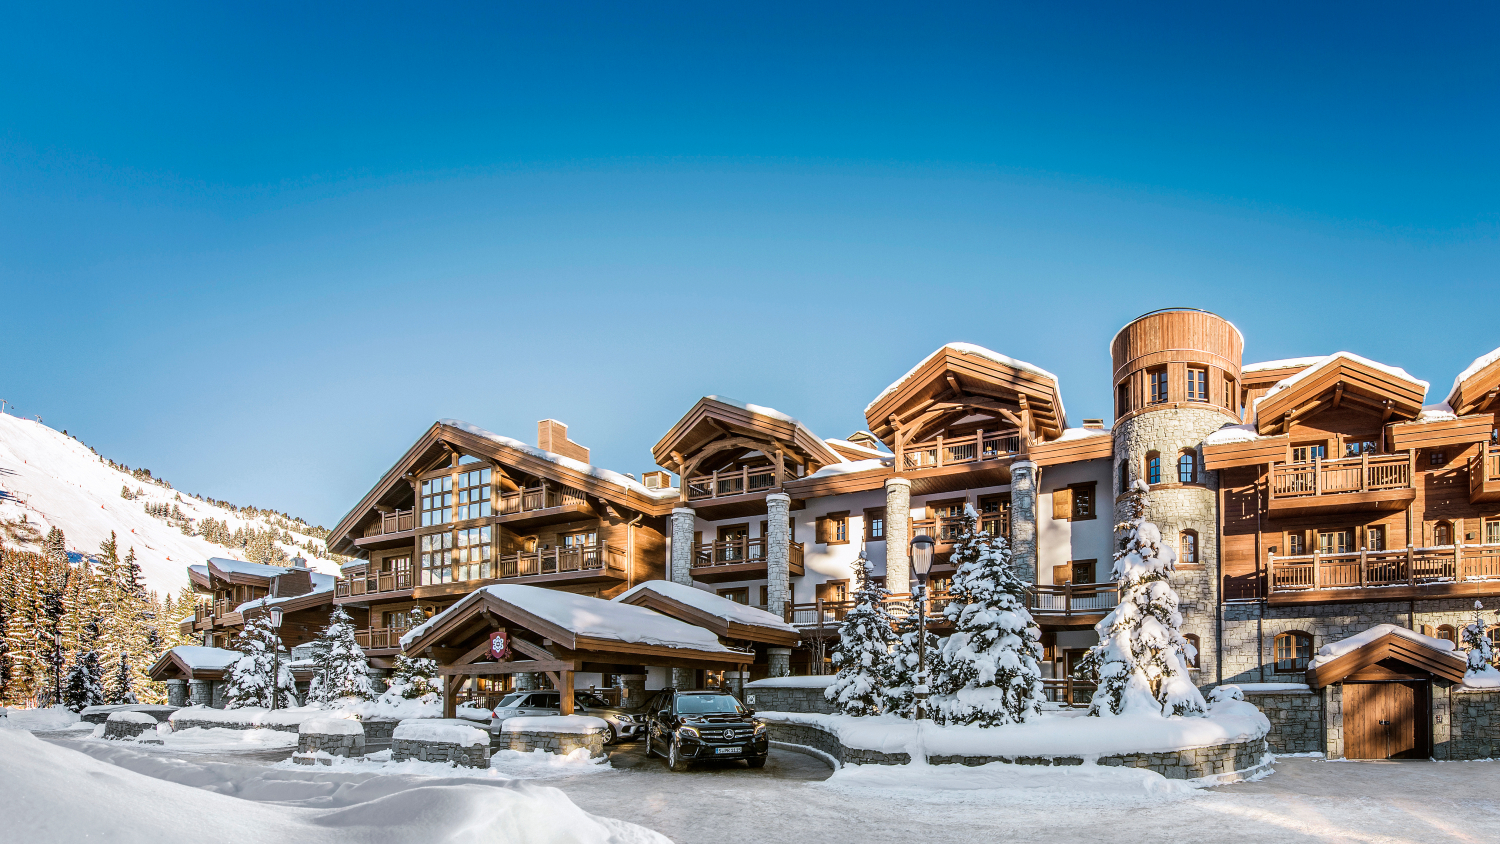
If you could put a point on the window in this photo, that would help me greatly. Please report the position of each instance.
(437, 559)
(739, 596)
(1122, 400)
(994, 515)
(1229, 393)
(1296, 544)
(1187, 470)
(1335, 541)
(833, 529)
(1492, 533)
(875, 524)
(1153, 468)
(1192, 654)
(437, 501)
(1187, 548)
(1437, 458)
(1355, 449)
(473, 495)
(1375, 538)
(1494, 634)
(1124, 478)
(1442, 534)
(1158, 380)
(948, 518)
(471, 558)
(1197, 384)
(1449, 632)
(581, 539)
(765, 596)
(1083, 501)
(1309, 452)
(1082, 571)
(1293, 652)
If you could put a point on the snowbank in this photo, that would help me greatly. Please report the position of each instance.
(1253, 688)
(331, 725)
(55, 718)
(1001, 783)
(702, 599)
(1488, 680)
(554, 724)
(822, 682)
(396, 708)
(446, 731)
(1053, 734)
(1333, 650)
(132, 718)
(251, 715)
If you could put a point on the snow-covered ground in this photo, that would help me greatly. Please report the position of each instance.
(55, 481)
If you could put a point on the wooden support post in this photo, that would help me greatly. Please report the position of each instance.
(1317, 476)
(1364, 470)
(1364, 564)
(1411, 566)
(566, 693)
(1317, 572)
(979, 445)
(940, 451)
(450, 695)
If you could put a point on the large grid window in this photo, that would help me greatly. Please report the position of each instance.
(1197, 384)
(471, 557)
(1293, 652)
(437, 501)
(437, 559)
(1158, 381)
(473, 495)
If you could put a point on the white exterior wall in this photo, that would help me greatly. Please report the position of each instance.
(1060, 541)
(823, 562)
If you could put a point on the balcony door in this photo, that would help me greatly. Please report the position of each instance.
(733, 543)
(1335, 541)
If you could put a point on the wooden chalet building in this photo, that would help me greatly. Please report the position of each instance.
(232, 590)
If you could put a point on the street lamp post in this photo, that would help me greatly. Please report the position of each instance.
(921, 562)
(275, 615)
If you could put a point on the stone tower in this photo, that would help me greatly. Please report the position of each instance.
(1176, 379)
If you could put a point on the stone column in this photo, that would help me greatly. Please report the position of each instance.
(378, 680)
(200, 693)
(632, 689)
(1023, 479)
(219, 689)
(780, 660)
(778, 553)
(684, 520)
(177, 693)
(684, 678)
(525, 681)
(898, 535)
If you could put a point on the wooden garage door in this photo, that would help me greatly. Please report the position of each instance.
(1385, 720)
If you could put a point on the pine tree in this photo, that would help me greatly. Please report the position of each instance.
(413, 678)
(991, 664)
(901, 677)
(865, 638)
(1140, 663)
(84, 686)
(122, 690)
(263, 674)
(55, 546)
(1480, 652)
(341, 670)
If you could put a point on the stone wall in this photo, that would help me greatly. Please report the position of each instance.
(189, 723)
(351, 745)
(525, 741)
(1296, 719)
(378, 732)
(125, 729)
(471, 756)
(1475, 729)
(783, 699)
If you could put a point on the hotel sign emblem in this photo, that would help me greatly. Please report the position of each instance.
(500, 645)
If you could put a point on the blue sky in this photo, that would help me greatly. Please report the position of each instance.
(260, 248)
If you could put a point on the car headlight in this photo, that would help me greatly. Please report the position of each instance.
(760, 728)
(687, 732)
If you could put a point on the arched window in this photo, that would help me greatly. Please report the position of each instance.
(1197, 649)
(1293, 651)
(1449, 632)
(1442, 534)
(1153, 468)
(1187, 468)
(1187, 547)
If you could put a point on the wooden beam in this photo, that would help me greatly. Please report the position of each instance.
(565, 692)
(479, 650)
(530, 649)
(524, 667)
(1338, 394)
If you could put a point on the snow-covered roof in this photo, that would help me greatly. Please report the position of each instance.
(199, 658)
(1440, 412)
(594, 618)
(1281, 364)
(700, 599)
(1081, 434)
(229, 566)
(321, 583)
(1333, 650)
(771, 412)
(980, 351)
(1287, 383)
(1232, 434)
(837, 443)
(1473, 369)
(569, 462)
(851, 467)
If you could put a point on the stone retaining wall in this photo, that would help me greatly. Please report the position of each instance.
(349, 745)
(471, 756)
(1474, 731)
(526, 741)
(100, 714)
(1192, 763)
(784, 699)
(126, 729)
(1296, 719)
(188, 723)
(378, 732)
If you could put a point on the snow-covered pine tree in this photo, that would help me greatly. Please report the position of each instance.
(901, 665)
(865, 638)
(1480, 652)
(55, 546)
(991, 671)
(84, 685)
(341, 670)
(122, 685)
(413, 678)
(263, 673)
(1141, 660)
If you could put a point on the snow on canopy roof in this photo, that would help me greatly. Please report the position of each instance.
(257, 569)
(710, 603)
(1333, 650)
(590, 617)
(771, 412)
(1473, 369)
(321, 583)
(1287, 383)
(1081, 434)
(1233, 434)
(199, 658)
(854, 446)
(1440, 412)
(1281, 364)
(552, 457)
(851, 466)
(980, 351)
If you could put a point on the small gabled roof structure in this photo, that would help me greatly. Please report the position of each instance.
(703, 608)
(1342, 377)
(1385, 649)
(718, 429)
(193, 662)
(1477, 388)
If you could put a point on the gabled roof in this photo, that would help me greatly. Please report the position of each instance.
(1478, 386)
(193, 662)
(243, 572)
(960, 369)
(703, 608)
(1341, 377)
(1338, 660)
(712, 417)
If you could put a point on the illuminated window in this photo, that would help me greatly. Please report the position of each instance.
(471, 558)
(473, 495)
(437, 559)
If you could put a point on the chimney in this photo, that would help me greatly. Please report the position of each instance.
(656, 480)
(1093, 423)
(552, 435)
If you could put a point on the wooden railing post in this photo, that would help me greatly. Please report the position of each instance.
(1411, 565)
(1317, 476)
(713, 484)
(1317, 572)
(1364, 564)
(978, 445)
(940, 451)
(1364, 470)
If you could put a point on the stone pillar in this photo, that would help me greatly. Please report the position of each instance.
(898, 535)
(778, 553)
(219, 689)
(684, 520)
(200, 693)
(736, 680)
(684, 678)
(177, 693)
(1333, 721)
(378, 680)
(1023, 480)
(632, 689)
(525, 681)
(780, 660)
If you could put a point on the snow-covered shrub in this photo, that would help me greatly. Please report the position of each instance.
(1141, 660)
(413, 679)
(264, 673)
(865, 638)
(1481, 657)
(991, 665)
(340, 670)
(84, 685)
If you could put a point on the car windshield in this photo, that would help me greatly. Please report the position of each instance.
(586, 699)
(708, 705)
(510, 701)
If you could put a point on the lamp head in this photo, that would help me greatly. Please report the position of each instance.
(275, 616)
(922, 546)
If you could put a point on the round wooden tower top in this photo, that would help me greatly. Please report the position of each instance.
(1177, 335)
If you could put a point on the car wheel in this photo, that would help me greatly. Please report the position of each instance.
(674, 758)
(757, 762)
(610, 736)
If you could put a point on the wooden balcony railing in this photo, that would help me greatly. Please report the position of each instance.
(1365, 569)
(1070, 599)
(372, 583)
(373, 638)
(528, 500)
(558, 560)
(832, 612)
(1367, 473)
(1484, 468)
(395, 522)
(735, 482)
(733, 552)
(969, 449)
(1068, 691)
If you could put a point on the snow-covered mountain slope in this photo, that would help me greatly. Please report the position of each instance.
(57, 481)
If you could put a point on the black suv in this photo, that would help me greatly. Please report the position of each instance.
(691, 726)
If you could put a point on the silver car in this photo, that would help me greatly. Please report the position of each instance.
(623, 724)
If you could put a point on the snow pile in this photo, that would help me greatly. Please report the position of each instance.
(55, 718)
(127, 717)
(702, 599)
(445, 730)
(1070, 434)
(540, 763)
(199, 658)
(1001, 784)
(568, 462)
(1333, 650)
(255, 716)
(1440, 412)
(142, 799)
(396, 708)
(820, 682)
(1232, 434)
(217, 739)
(331, 725)
(56, 481)
(1282, 364)
(578, 724)
(852, 466)
(1263, 688)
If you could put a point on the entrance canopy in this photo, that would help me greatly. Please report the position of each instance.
(558, 633)
(1386, 652)
(702, 608)
(192, 662)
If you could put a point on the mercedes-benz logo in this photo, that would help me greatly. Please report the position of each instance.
(729, 734)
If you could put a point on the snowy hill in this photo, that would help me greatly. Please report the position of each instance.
(57, 481)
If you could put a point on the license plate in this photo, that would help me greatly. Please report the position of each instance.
(726, 750)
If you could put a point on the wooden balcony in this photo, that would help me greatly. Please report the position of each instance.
(728, 484)
(1368, 482)
(1484, 475)
(542, 505)
(381, 584)
(821, 613)
(380, 638)
(1408, 573)
(584, 564)
(1069, 692)
(389, 529)
(739, 559)
(958, 451)
(1072, 603)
